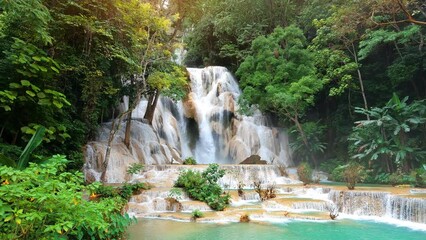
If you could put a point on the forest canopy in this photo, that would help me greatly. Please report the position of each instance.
(329, 70)
(347, 78)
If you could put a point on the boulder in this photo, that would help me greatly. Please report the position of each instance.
(253, 159)
(190, 107)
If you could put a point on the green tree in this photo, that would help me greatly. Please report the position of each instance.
(171, 81)
(314, 133)
(341, 32)
(30, 96)
(280, 76)
(223, 33)
(151, 48)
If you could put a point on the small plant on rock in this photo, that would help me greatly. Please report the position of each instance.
(196, 214)
(304, 171)
(135, 168)
(175, 193)
(190, 161)
(241, 186)
(264, 194)
(245, 218)
(353, 173)
(173, 200)
(270, 190)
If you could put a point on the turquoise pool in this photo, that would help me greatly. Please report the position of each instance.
(293, 230)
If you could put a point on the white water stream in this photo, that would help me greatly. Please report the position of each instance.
(206, 125)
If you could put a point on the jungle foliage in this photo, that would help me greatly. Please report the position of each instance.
(46, 202)
(65, 66)
(347, 77)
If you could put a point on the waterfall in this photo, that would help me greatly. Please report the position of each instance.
(205, 125)
(291, 201)
(406, 208)
(381, 204)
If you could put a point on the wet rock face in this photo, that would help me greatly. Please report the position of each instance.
(206, 125)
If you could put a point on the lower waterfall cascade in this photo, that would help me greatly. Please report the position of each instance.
(292, 201)
(207, 126)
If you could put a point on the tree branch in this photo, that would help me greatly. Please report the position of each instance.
(410, 18)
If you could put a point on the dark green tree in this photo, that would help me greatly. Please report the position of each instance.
(280, 76)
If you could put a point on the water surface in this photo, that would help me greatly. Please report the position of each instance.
(292, 230)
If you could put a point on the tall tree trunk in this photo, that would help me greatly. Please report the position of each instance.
(115, 127)
(150, 108)
(361, 82)
(15, 138)
(304, 139)
(388, 162)
(108, 149)
(128, 128)
(1, 132)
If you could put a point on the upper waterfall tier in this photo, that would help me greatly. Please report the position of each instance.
(206, 125)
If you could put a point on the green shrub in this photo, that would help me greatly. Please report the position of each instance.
(125, 191)
(135, 168)
(329, 165)
(45, 202)
(175, 193)
(190, 161)
(197, 214)
(105, 191)
(382, 178)
(337, 173)
(354, 173)
(203, 186)
(421, 176)
(304, 171)
(395, 179)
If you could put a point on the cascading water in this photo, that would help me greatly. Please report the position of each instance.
(381, 204)
(206, 125)
(225, 136)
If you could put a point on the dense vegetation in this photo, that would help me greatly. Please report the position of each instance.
(203, 186)
(65, 66)
(348, 77)
(46, 202)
